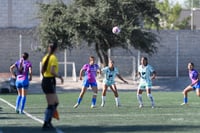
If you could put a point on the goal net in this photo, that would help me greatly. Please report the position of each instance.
(66, 69)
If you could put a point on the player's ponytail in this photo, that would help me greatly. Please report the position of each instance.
(20, 69)
(24, 57)
(52, 48)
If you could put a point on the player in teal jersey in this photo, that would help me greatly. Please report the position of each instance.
(145, 70)
(110, 72)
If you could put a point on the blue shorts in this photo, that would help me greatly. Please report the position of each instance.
(22, 84)
(86, 83)
(196, 86)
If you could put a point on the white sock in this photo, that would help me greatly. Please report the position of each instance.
(103, 99)
(117, 101)
(139, 98)
(151, 98)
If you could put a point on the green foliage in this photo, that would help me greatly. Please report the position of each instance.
(170, 16)
(53, 26)
(91, 22)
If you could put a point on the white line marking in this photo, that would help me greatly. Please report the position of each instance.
(29, 115)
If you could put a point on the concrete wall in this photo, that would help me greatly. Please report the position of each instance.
(20, 13)
(164, 60)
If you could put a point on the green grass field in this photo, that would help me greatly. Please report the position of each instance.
(168, 116)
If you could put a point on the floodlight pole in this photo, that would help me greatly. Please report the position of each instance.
(65, 63)
(20, 46)
(192, 15)
(177, 55)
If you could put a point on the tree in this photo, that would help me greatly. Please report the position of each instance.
(54, 24)
(170, 16)
(91, 22)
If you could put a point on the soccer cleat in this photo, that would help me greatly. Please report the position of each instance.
(153, 106)
(76, 105)
(184, 104)
(141, 106)
(17, 111)
(21, 112)
(102, 104)
(92, 106)
(47, 126)
(118, 105)
(56, 115)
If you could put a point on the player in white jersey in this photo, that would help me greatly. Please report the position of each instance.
(146, 73)
(110, 72)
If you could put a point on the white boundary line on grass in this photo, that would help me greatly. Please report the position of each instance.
(28, 115)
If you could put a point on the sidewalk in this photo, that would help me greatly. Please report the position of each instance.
(159, 84)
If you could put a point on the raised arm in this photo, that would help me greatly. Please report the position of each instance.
(30, 73)
(120, 77)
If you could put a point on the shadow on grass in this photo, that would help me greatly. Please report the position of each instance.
(107, 129)
(134, 128)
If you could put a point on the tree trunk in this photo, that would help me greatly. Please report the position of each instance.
(102, 54)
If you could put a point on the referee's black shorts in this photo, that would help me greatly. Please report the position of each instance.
(49, 85)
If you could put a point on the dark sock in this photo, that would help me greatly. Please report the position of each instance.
(49, 113)
(55, 107)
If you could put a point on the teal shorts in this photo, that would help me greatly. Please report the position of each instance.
(108, 83)
(144, 86)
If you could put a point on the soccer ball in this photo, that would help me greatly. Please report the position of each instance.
(116, 30)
